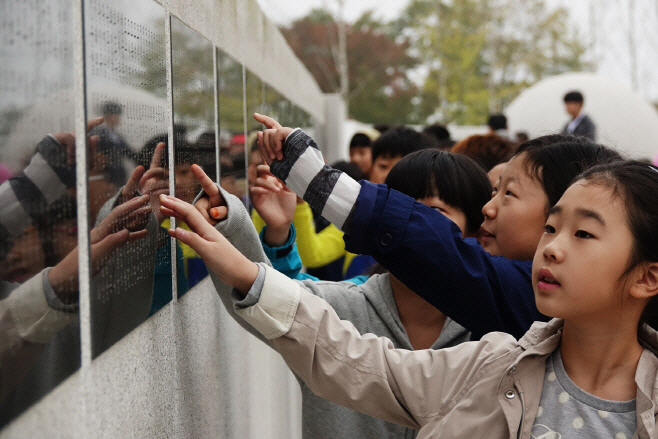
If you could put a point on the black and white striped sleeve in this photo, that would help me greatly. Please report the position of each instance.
(24, 197)
(327, 190)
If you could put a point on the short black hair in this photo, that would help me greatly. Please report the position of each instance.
(146, 153)
(556, 164)
(497, 122)
(438, 131)
(206, 140)
(360, 140)
(458, 180)
(399, 141)
(574, 96)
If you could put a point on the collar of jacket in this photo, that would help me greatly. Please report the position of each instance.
(543, 338)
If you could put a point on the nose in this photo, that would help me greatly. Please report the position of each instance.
(553, 250)
(14, 255)
(490, 210)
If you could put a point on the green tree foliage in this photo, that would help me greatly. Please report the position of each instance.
(192, 59)
(480, 54)
(192, 75)
(229, 88)
(380, 90)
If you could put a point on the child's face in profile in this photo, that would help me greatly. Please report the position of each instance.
(514, 217)
(583, 255)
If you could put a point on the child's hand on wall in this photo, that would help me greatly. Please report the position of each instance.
(120, 227)
(153, 182)
(215, 250)
(271, 140)
(275, 203)
(212, 206)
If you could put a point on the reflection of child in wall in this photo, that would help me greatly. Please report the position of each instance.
(39, 274)
(190, 268)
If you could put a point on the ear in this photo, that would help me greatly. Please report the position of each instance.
(646, 284)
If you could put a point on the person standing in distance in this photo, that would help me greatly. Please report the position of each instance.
(581, 124)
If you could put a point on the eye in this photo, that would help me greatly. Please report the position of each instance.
(438, 209)
(549, 229)
(583, 234)
(509, 193)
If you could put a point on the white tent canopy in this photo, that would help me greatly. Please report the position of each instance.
(623, 118)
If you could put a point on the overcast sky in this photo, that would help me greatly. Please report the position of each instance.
(611, 32)
(285, 11)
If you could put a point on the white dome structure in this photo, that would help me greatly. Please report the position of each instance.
(623, 118)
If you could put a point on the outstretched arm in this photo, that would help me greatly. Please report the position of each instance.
(327, 353)
(228, 215)
(301, 167)
(418, 245)
(232, 267)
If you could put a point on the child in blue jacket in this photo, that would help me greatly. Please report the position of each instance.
(484, 288)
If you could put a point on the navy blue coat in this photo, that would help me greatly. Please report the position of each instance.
(425, 250)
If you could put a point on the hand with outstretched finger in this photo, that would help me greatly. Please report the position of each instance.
(270, 141)
(275, 203)
(212, 205)
(218, 254)
(155, 181)
(130, 191)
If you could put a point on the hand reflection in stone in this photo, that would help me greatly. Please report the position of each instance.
(155, 181)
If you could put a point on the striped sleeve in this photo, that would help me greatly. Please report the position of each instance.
(26, 196)
(327, 190)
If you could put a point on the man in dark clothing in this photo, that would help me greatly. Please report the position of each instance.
(581, 124)
(112, 144)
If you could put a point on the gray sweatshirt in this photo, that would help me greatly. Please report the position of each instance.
(370, 307)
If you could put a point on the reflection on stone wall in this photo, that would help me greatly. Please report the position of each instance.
(128, 149)
(38, 227)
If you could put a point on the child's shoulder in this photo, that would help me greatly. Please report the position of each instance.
(541, 339)
(348, 297)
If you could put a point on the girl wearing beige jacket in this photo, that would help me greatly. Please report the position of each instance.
(588, 373)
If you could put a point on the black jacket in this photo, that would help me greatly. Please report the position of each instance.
(585, 128)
